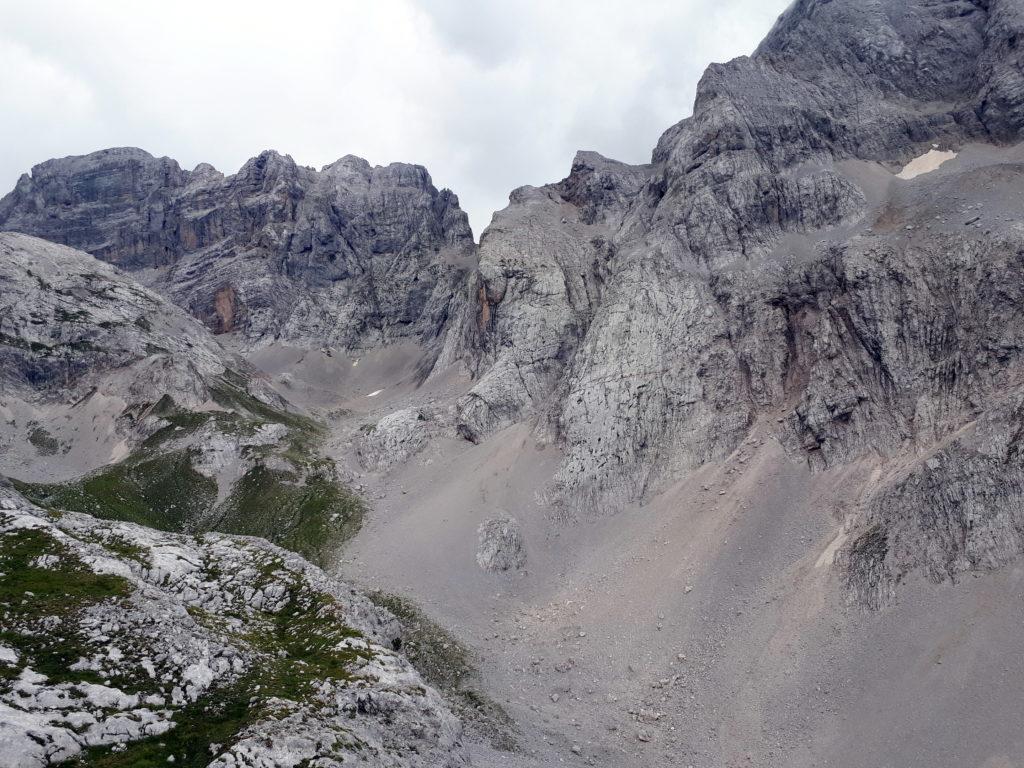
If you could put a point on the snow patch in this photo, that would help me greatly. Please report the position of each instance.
(829, 555)
(932, 160)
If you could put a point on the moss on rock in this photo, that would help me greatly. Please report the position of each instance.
(43, 590)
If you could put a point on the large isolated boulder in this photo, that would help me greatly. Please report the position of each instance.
(396, 438)
(501, 545)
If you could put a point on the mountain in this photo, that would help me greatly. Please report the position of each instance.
(768, 265)
(664, 308)
(118, 403)
(347, 256)
(709, 461)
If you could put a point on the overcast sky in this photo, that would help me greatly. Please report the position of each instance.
(488, 94)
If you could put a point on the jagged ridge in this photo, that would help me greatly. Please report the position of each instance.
(349, 255)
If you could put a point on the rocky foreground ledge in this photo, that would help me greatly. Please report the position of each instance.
(124, 646)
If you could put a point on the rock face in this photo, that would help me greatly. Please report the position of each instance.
(768, 266)
(348, 256)
(67, 321)
(766, 262)
(501, 545)
(80, 341)
(958, 510)
(142, 647)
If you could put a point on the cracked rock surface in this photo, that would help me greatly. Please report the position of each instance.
(501, 545)
(767, 260)
(122, 641)
(350, 255)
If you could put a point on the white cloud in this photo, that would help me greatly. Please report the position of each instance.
(488, 95)
(32, 85)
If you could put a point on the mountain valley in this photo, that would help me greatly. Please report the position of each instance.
(712, 461)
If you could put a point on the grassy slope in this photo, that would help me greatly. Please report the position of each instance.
(159, 490)
(30, 595)
(305, 510)
(311, 516)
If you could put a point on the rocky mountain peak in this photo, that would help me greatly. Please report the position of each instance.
(600, 186)
(713, 427)
(668, 256)
(268, 163)
(243, 252)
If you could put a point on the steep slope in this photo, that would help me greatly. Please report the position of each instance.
(349, 256)
(648, 316)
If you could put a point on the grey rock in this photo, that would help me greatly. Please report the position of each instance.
(958, 512)
(394, 439)
(347, 256)
(67, 320)
(155, 633)
(501, 545)
(681, 300)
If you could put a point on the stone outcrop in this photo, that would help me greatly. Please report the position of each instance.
(764, 262)
(232, 638)
(501, 545)
(959, 509)
(394, 439)
(91, 360)
(349, 256)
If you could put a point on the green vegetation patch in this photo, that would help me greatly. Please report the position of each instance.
(302, 508)
(299, 647)
(70, 316)
(180, 422)
(311, 516)
(19, 343)
(43, 589)
(230, 393)
(216, 718)
(308, 638)
(159, 490)
(448, 666)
